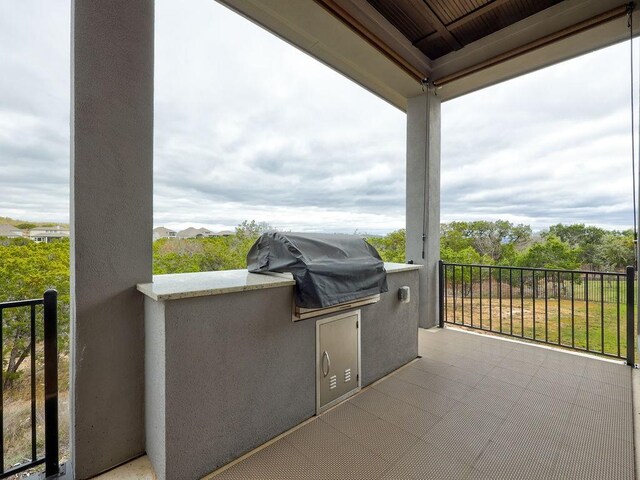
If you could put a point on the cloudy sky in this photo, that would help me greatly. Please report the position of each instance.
(247, 127)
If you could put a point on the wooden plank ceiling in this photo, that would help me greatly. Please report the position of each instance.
(438, 27)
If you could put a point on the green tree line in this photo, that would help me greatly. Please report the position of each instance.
(27, 269)
(560, 246)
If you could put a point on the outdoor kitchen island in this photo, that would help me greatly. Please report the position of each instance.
(227, 369)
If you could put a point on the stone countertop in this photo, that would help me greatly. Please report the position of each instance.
(400, 267)
(201, 284)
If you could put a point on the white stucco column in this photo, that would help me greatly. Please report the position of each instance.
(423, 198)
(111, 227)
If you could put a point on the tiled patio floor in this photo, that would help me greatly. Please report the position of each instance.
(474, 407)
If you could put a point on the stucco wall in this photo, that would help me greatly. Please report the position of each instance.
(111, 221)
(154, 384)
(389, 335)
(423, 198)
(239, 371)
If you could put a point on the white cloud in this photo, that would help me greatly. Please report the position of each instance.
(248, 127)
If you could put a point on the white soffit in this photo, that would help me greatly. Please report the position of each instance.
(547, 22)
(309, 27)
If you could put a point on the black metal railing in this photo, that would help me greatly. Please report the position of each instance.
(50, 340)
(582, 310)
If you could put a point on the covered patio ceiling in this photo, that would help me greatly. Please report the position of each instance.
(389, 47)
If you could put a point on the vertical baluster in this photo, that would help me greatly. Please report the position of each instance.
(463, 293)
(500, 294)
(586, 301)
(559, 294)
(446, 294)
(522, 303)
(490, 300)
(481, 282)
(441, 293)
(34, 453)
(618, 311)
(471, 287)
(454, 294)
(535, 294)
(510, 301)
(601, 313)
(52, 463)
(573, 310)
(546, 308)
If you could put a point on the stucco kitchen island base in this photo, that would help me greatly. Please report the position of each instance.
(226, 369)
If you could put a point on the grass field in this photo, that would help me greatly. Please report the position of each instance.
(594, 326)
(17, 414)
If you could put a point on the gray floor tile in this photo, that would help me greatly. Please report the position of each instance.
(417, 396)
(555, 376)
(510, 376)
(409, 418)
(489, 357)
(519, 366)
(486, 401)
(612, 423)
(594, 455)
(427, 461)
(381, 437)
(491, 345)
(566, 364)
(502, 462)
(531, 431)
(600, 403)
(553, 390)
(606, 372)
(430, 365)
(501, 388)
(527, 354)
(543, 405)
(349, 461)
(315, 438)
(464, 432)
(472, 365)
(416, 376)
(608, 390)
(479, 475)
(279, 461)
(474, 408)
(468, 377)
(435, 383)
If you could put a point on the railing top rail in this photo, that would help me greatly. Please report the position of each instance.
(21, 303)
(534, 269)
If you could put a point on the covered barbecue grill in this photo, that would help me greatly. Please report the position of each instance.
(329, 269)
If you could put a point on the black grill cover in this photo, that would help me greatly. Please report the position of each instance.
(328, 268)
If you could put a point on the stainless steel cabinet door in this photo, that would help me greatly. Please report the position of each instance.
(338, 358)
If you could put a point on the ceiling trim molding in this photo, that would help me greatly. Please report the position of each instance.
(567, 32)
(354, 24)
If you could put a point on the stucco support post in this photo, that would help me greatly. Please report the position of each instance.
(423, 198)
(111, 223)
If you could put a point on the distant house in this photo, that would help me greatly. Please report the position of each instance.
(163, 232)
(10, 231)
(47, 234)
(193, 232)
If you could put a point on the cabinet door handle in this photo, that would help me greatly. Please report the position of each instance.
(325, 354)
